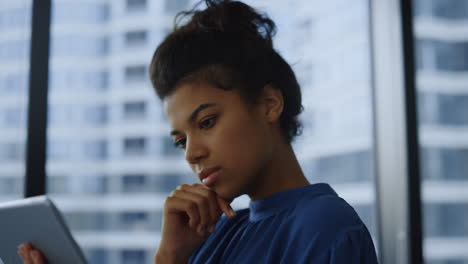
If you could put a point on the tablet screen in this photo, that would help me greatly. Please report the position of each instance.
(38, 221)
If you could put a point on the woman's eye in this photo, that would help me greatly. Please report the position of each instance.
(180, 143)
(207, 123)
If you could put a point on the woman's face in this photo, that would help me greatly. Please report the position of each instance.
(216, 128)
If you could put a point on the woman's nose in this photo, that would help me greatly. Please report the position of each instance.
(194, 151)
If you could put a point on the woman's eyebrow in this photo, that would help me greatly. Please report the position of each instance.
(194, 115)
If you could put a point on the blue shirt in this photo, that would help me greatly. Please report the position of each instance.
(309, 224)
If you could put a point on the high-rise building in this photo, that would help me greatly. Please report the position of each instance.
(441, 42)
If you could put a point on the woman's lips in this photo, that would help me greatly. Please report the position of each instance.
(211, 178)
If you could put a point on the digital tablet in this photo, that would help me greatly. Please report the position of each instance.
(38, 221)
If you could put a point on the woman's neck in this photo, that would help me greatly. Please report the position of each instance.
(281, 173)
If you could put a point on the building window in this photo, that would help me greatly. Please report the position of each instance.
(97, 255)
(135, 73)
(103, 80)
(57, 184)
(97, 115)
(134, 110)
(134, 183)
(83, 184)
(10, 185)
(96, 150)
(12, 117)
(446, 220)
(343, 168)
(450, 9)
(168, 147)
(11, 151)
(428, 108)
(136, 38)
(175, 6)
(87, 221)
(451, 56)
(133, 256)
(167, 182)
(103, 46)
(134, 220)
(103, 12)
(135, 146)
(136, 5)
(453, 109)
(455, 163)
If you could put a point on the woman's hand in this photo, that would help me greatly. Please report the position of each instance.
(190, 214)
(30, 255)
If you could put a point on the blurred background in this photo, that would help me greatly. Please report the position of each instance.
(110, 160)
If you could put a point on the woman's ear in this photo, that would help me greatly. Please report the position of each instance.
(273, 102)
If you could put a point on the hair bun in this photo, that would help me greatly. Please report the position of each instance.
(231, 17)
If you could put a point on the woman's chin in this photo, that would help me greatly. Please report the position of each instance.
(226, 194)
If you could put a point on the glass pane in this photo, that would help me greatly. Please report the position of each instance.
(110, 162)
(442, 87)
(15, 35)
(109, 166)
(327, 44)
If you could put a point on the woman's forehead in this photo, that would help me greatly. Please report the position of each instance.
(187, 97)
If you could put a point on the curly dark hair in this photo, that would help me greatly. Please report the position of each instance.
(228, 44)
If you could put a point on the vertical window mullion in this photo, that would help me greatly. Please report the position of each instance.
(35, 178)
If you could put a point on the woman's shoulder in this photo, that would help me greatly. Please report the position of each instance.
(326, 213)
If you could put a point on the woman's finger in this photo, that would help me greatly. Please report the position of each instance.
(23, 252)
(222, 204)
(176, 205)
(202, 206)
(226, 207)
(211, 197)
(37, 257)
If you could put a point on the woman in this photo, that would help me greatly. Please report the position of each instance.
(233, 105)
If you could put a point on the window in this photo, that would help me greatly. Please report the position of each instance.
(169, 149)
(136, 5)
(134, 183)
(134, 146)
(175, 6)
(11, 151)
(10, 186)
(87, 221)
(167, 182)
(97, 255)
(136, 38)
(96, 115)
(352, 167)
(133, 256)
(95, 150)
(442, 9)
(450, 9)
(134, 220)
(446, 220)
(134, 110)
(453, 109)
(13, 117)
(442, 56)
(135, 73)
